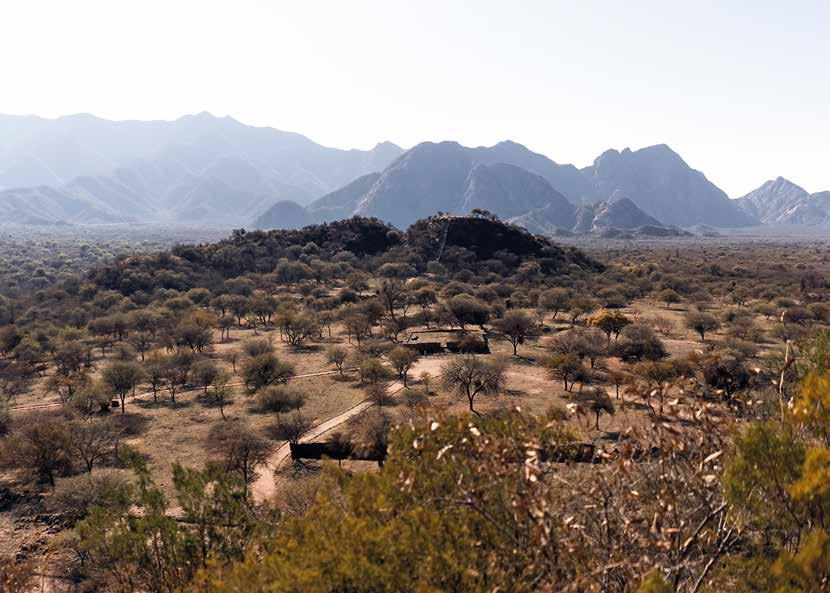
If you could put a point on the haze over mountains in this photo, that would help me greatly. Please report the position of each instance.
(198, 168)
(202, 169)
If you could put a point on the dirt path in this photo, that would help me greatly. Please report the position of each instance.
(265, 485)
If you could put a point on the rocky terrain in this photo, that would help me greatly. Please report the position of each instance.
(448, 177)
(781, 201)
(660, 182)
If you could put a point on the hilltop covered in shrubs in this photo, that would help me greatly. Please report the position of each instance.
(475, 243)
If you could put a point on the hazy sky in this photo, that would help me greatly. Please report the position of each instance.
(739, 88)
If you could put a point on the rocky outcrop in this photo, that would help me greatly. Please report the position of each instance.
(660, 183)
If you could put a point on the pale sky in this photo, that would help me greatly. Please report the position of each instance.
(739, 88)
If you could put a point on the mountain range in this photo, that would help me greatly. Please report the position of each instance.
(781, 201)
(628, 189)
(202, 169)
(198, 168)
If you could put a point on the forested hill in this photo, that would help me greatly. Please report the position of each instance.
(317, 252)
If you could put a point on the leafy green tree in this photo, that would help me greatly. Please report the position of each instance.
(808, 570)
(766, 460)
(141, 546)
(655, 583)
(812, 407)
(213, 502)
(368, 533)
(611, 323)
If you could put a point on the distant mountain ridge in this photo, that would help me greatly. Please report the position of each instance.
(216, 170)
(620, 214)
(660, 182)
(780, 201)
(517, 184)
(198, 168)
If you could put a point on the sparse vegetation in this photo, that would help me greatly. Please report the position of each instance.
(644, 418)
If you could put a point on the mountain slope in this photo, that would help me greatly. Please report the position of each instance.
(46, 205)
(664, 186)
(770, 202)
(343, 202)
(450, 178)
(566, 179)
(508, 191)
(197, 168)
(445, 177)
(426, 179)
(813, 210)
(782, 202)
(284, 215)
(620, 213)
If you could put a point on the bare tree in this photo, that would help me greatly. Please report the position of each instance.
(122, 377)
(402, 360)
(280, 399)
(337, 356)
(92, 440)
(240, 448)
(565, 367)
(292, 428)
(222, 390)
(516, 326)
(701, 323)
(471, 376)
